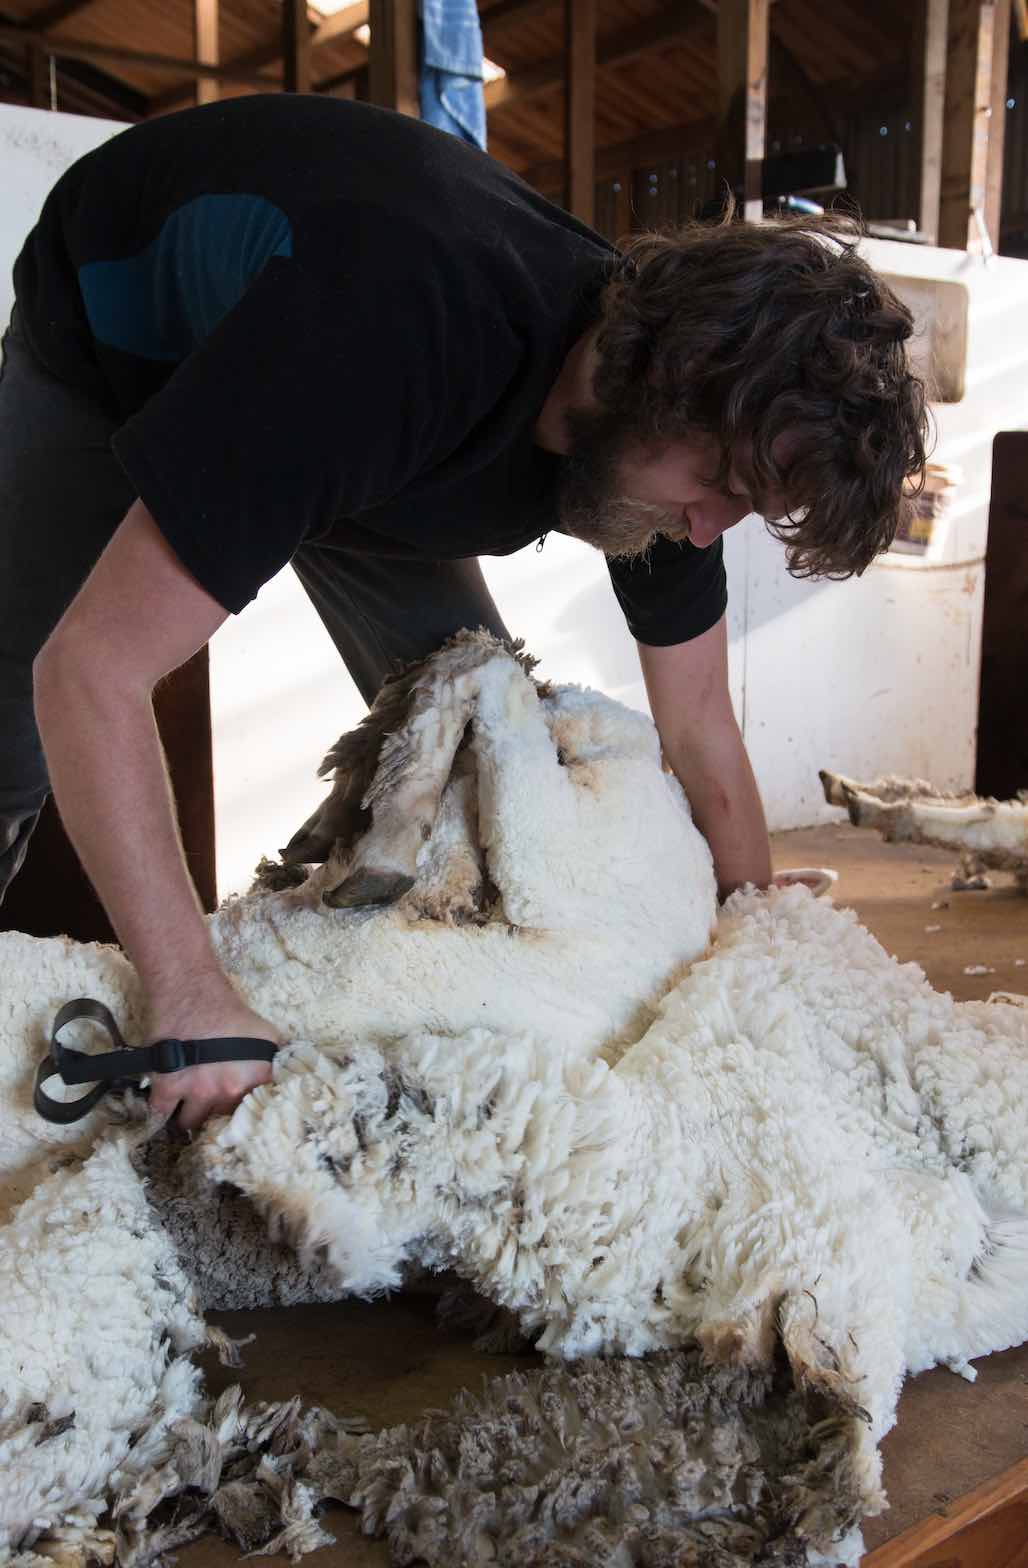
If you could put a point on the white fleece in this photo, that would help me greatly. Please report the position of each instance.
(630, 1138)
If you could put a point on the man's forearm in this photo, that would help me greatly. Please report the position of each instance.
(726, 807)
(111, 786)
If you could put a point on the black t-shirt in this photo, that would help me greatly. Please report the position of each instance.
(316, 317)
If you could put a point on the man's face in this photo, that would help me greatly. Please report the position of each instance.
(619, 496)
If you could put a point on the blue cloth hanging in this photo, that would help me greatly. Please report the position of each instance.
(451, 68)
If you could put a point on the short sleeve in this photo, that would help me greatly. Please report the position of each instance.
(672, 594)
(314, 398)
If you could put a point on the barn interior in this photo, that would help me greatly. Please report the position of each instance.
(635, 115)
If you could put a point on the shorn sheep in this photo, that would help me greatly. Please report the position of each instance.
(988, 835)
(734, 1177)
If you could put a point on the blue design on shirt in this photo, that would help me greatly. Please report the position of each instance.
(161, 303)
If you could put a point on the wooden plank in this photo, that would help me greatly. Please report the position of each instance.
(393, 56)
(1021, 19)
(997, 120)
(930, 97)
(85, 49)
(341, 24)
(676, 23)
(54, 15)
(1001, 758)
(968, 106)
(742, 51)
(38, 77)
(915, 1547)
(296, 47)
(497, 18)
(205, 43)
(580, 109)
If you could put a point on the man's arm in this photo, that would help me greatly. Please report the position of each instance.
(139, 616)
(692, 708)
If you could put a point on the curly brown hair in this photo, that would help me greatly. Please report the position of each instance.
(750, 332)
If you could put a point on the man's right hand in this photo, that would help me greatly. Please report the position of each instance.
(214, 1090)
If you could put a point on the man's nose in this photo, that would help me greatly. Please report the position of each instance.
(709, 521)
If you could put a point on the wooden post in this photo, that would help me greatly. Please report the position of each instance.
(296, 47)
(393, 56)
(997, 120)
(580, 109)
(39, 77)
(968, 109)
(205, 39)
(743, 33)
(930, 90)
(183, 711)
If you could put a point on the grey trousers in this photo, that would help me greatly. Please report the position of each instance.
(63, 494)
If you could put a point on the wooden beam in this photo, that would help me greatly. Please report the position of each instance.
(335, 28)
(883, 94)
(296, 47)
(580, 109)
(393, 56)
(497, 18)
(86, 49)
(997, 120)
(968, 106)
(742, 50)
(252, 61)
(671, 141)
(38, 74)
(1005, 1498)
(676, 24)
(54, 15)
(205, 43)
(930, 86)
(332, 29)
(1021, 19)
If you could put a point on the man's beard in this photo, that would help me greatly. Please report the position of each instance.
(590, 502)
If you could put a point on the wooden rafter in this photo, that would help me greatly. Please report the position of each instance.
(296, 47)
(54, 15)
(205, 43)
(997, 120)
(968, 108)
(884, 93)
(743, 34)
(676, 23)
(38, 77)
(393, 55)
(580, 108)
(342, 24)
(86, 49)
(930, 79)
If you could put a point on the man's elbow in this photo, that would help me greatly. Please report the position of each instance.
(74, 667)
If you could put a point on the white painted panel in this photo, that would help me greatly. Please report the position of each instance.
(35, 149)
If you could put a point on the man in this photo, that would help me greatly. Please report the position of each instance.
(294, 329)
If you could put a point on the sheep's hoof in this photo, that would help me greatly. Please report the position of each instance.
(368, 889)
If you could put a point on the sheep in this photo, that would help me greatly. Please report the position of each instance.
(774, 1171)
(989, 834)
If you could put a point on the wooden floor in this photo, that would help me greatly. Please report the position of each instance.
(389, 1361)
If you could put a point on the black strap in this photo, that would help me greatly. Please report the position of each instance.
(115, 1069)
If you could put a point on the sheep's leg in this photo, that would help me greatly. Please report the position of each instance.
(988, 832)
(414, 765)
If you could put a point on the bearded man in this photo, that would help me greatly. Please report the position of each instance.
(293, 329)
